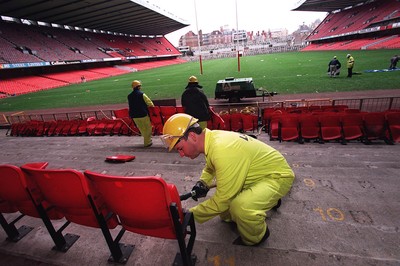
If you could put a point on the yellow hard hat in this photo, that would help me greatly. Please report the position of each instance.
(193, 79)
(136, 83)
(175, 128)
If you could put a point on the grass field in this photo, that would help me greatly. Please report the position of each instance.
(285, 73)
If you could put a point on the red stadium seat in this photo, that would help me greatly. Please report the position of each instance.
(331, 128)
(158, 204)
(227, 120)
(309, 127)
(217, 121)
(274, 126)
(352, 124)
(167, 112)
(236, 122)
(15, 197)
(70, 194)
(51, 127)
(375, 127)
(121, 113)
(109, 126)
(180, 109)
(156, 119)
(289, 127)
(393, 120)
(249, 122)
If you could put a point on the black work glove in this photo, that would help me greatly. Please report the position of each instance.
(200, 190)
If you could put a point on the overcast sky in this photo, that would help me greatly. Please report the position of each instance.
(252, 15)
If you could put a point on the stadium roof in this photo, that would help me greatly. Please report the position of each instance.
(122, 16)
(327, 5)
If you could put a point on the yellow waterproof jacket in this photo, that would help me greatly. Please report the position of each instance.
(350, 62)
(236, 162)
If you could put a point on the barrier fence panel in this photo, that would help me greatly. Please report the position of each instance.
(365, 105)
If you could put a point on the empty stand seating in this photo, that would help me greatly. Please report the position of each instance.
(70, 194)
(143, 205)
(376, 16)
(14, 197)
(332, 123)
(22, 43)
(304, 123)
(158, 204)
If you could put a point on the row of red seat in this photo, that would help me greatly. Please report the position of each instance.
(121, 124)
(388, 42)
(143, 205)
(341, 127)
(95, 127)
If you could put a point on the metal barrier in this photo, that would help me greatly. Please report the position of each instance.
(363, 104)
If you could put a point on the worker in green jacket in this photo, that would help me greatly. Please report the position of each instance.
(250, 176)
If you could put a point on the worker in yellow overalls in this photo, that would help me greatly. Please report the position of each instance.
(250, 176)
(138, 103)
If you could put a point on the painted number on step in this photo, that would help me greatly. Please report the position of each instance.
(218, 261)
(309, 182)
(333, 213)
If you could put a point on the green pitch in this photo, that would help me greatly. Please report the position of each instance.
(285, 73)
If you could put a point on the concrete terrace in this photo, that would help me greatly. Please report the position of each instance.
(343, 208)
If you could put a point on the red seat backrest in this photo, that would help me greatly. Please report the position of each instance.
(154, 111)
(141, 203)
(330, 120)
(393, 118)
(13, 185)
(121, 113)
(69, 192)
(180, 109)
(374, 124)
(12, 191)
(168, 110)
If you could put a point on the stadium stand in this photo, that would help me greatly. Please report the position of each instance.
(22, 85)
(364, 25)
(24, 44)
(88, 199)
(30, 43)
(21, 35)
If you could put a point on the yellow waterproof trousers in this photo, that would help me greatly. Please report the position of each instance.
(144, 125)
(248, 209)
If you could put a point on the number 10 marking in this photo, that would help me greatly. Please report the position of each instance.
(333, 213)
